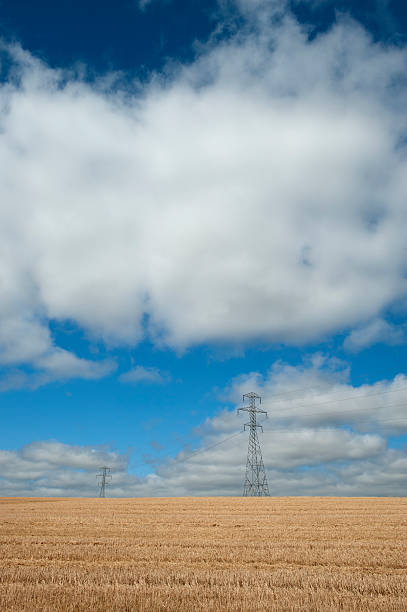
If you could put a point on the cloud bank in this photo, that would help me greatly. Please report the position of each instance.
(317, 440)
(257, 193)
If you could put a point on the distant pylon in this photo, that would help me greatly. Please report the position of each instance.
(255, 484)
(103, 477)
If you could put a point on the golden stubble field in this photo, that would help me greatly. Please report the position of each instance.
(203, 554)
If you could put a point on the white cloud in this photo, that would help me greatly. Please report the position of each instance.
(61, 364)
(361, 466)
(56, 468)
(325, 398)
(54, 454)
(377, 331)
(55, 365)
(317, 440)
(141, 374)
(258, 193)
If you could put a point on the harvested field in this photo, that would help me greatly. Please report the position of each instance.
(203, 554)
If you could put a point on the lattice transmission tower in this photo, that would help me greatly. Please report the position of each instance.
(255, 484)
(103, 481)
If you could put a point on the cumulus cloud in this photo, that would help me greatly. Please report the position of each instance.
(325, 398)
(317, 440)
(54, 454)
(257, 193)
(377, 331)
(353, 465)
(53, 468)
(55, 364)
(141, 374)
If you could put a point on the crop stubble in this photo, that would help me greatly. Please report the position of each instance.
(192, 554)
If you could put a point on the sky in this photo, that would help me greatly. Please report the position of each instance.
(199, 200)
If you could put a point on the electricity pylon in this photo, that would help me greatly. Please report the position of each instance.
(255, 484)
(104, 477)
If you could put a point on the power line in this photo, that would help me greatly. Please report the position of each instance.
(285, 430)
(291, 430)
(301, 390)
(307, 428)
(206, 448)
(351, 397)
(280, 430)
(312, 414)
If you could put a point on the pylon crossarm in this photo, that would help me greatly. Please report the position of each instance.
(249, 425)
(249, 409)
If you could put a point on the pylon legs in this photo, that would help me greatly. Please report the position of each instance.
(255, 484)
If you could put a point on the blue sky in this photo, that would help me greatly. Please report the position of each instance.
(199, 200)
